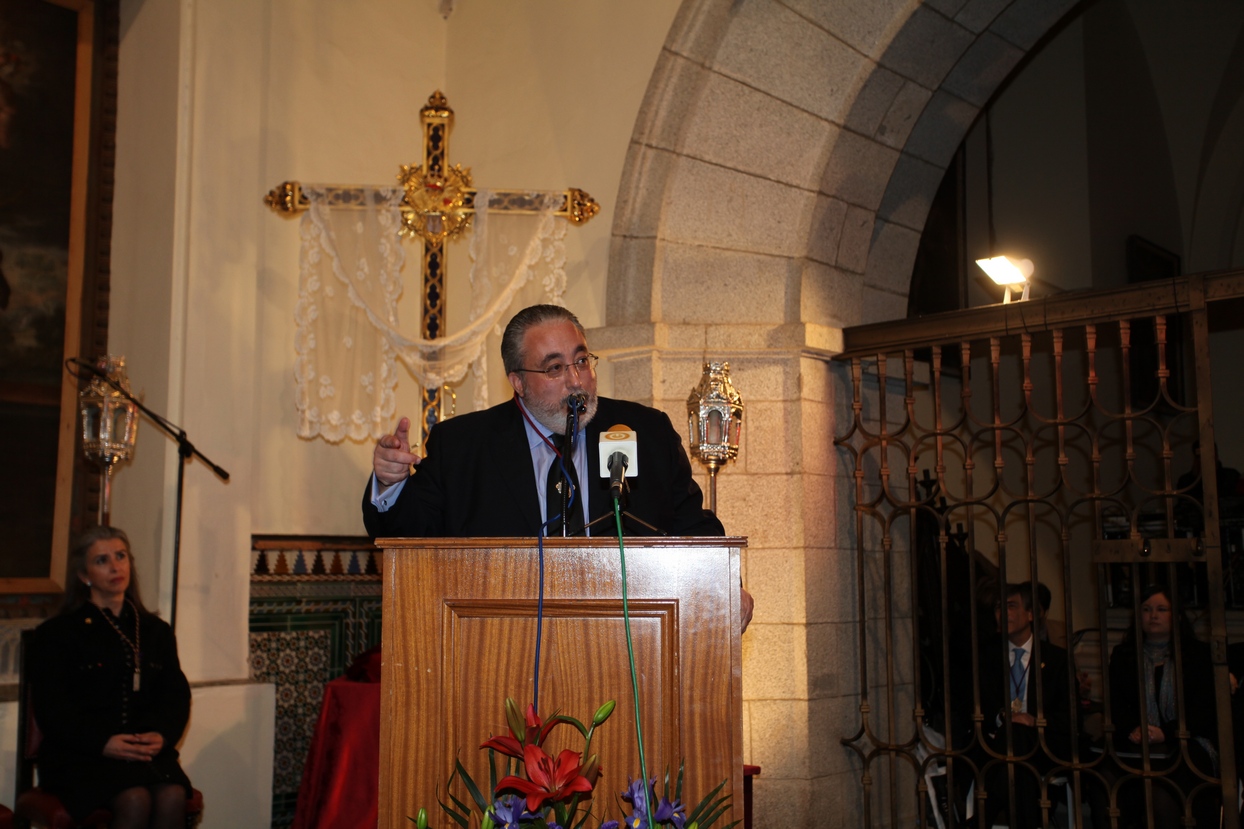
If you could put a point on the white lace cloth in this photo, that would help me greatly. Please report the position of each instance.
(348, 339)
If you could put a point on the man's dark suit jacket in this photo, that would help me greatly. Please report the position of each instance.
(995, 699)
(1055, 704)
(478, 479)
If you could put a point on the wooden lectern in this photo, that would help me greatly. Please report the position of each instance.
(459, 637)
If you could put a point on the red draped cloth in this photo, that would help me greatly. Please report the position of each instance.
(341, 780)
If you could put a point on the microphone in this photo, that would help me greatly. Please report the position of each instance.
(619, 456)
(578, 401)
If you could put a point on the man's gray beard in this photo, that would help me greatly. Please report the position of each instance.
(555, 419)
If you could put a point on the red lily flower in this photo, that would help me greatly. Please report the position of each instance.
(506, 745)
(549, 779)
(534, 733)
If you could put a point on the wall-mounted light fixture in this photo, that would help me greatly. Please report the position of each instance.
(1009, 273)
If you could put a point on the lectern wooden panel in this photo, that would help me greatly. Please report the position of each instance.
(459, 637)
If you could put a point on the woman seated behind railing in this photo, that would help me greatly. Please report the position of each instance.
(109, 694)
(1148, 678)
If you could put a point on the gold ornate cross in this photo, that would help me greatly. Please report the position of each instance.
(437, 206)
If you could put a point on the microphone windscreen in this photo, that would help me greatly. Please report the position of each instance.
(619, 439)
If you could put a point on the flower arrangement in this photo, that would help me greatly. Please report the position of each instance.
(540, 791)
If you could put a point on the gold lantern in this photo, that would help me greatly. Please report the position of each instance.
(715, 422)
(109, 423)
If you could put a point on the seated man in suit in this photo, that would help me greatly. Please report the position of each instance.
(487, 473)
(1019, 690)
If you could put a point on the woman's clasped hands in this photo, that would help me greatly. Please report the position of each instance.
(141, 747)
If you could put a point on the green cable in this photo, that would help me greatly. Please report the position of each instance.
(630, 653)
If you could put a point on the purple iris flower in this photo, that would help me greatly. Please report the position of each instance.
(668, 812)
(636, 795)
(609, 824)
(508, 811)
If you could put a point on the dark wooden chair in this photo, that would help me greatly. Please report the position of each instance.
(35, 807)
(748, 773)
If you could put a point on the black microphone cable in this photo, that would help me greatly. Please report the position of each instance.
(572, 428)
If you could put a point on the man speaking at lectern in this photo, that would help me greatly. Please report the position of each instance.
(487, 473)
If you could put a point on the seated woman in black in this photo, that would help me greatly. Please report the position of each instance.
(109, 694)
(1148, 678)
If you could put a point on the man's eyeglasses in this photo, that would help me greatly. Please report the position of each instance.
(556, 370)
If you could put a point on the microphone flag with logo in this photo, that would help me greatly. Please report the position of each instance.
(619, 456)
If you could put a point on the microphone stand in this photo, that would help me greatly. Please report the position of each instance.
(185, 450)
(572, 422)
(625, 514)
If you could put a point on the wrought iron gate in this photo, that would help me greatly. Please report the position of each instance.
(1050, 443)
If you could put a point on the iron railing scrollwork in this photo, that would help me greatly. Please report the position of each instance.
(1052, 444)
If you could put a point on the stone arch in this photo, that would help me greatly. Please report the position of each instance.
(804, 181)
(777, 182)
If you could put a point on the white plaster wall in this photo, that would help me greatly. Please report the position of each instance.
(228, 751)
(145, 239)
(547, 95)
(342, 89)
(183, 302)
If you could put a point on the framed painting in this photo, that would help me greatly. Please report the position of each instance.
(50, 72)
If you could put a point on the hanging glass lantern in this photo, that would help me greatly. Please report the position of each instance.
(715, 422)
(109, 424)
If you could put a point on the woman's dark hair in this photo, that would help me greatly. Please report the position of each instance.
(1180, 628)
(77, 593)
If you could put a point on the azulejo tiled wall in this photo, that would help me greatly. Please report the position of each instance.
(314, 606)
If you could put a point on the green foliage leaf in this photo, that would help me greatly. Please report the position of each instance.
(466, 810)
(471, 788)
(707, 805)
(712, 818)
(459, 819)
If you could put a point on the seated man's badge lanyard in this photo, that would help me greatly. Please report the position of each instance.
(1019, 682)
